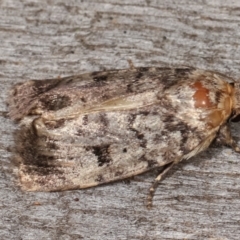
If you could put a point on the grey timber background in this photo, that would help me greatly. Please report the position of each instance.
(200, 199)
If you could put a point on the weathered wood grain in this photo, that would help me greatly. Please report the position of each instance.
(200, 199)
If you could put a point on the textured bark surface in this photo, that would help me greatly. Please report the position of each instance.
(199, 199)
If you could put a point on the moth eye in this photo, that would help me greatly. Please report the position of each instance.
(235, 117)
(201, 96)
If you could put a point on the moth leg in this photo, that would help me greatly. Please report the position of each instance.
(156, 182)
(224, 137)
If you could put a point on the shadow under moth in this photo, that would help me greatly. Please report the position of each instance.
(81, 131)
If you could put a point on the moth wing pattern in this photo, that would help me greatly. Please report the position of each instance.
(39, 96)
(82, 131)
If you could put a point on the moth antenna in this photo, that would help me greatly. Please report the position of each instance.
(156, 182)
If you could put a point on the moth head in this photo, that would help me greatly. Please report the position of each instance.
(236, 101)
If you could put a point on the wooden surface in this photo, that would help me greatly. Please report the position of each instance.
(200, 199)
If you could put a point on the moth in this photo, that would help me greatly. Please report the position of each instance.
(81, 131)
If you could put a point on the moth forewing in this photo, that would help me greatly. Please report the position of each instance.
(85, 130)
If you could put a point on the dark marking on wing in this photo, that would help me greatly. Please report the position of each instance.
(176, 76)
(79, 132)
(100, 77)
(83, 99)
(100, 178)
(32, 153)
(151, 163)
(125, 150)
(46, 85)
(102, 154)
(85, 119)
(139, 75)
(104, 120)
(52, 145)
(129, 88)
(174, 125)
(55, 102)
(182, 72)
(118, 173)
(140, 136)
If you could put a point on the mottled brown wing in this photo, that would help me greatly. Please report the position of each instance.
(101, 147)
(86, 90)
(113, 134)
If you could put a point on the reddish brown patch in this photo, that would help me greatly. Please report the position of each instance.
(201, 96)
